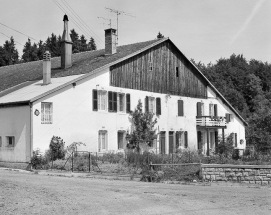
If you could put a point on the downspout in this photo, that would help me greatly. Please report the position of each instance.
(31, 129)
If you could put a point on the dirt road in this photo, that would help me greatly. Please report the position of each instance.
(22, 193)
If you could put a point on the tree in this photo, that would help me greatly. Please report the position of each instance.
(9, 53)
(83, 44)
(30, 52)
(92, 44)
(143, 128)
(56, 148)
(76, 42)
(159, 35)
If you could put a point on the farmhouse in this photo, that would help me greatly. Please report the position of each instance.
(87, 97)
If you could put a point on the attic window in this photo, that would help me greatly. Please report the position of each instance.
(177, 72)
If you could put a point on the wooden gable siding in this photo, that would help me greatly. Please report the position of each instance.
(134, 73)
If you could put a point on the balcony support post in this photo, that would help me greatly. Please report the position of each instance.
(223, 137)
(208, 149)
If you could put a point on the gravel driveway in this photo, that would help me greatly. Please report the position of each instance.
(22, 193)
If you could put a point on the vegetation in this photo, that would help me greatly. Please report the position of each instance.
(143, 128)
(246, 85)
(34, 51)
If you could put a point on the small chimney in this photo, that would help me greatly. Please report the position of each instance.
(66, 46)
(110, 41)
(46, 68)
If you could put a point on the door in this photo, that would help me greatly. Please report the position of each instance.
(170, 141)
(163, 143)
(199, 140)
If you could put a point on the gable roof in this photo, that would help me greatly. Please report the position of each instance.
(83, 63)
(87, 63)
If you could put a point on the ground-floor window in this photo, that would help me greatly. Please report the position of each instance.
(10, 141)
(102, 141)
(121, 140)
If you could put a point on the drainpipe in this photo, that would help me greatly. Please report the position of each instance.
(31, 129)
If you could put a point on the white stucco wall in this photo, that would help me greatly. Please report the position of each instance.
(15, 121)
(74, 120)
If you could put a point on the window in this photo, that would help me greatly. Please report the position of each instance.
(200, 109)
(150, 62)
(180, 108)
(102, 100)
(112, 101)
(46, 113)
(128, 103)
(158, 106)
(177, 72)
(229, 117)
(102, 141)
(10, 141)
(94, 100)
(121, 102)
(151, 104)
(121, 140)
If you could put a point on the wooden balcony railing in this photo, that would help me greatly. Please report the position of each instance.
(211, 121)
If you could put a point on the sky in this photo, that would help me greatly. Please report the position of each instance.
(204, 30)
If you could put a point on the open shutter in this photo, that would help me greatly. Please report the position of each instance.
(198, 108)
(147, 104)
(180, 107)
(235, 139)
(158, 106)
(128, 103)
(110, 101)
(215, 109)
(115, 101)
(216, 141)
(94, 100)
(185, 139)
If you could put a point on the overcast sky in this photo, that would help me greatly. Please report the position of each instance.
(204, 30)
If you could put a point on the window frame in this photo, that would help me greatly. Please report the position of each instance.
(180, 107)
(102, 133)
(45, 117)
(123, 140)
(8, 141)
(100, 100)
(123, 105)
(151, 103)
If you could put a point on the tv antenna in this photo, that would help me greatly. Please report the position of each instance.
(118, 12)
(99, 17)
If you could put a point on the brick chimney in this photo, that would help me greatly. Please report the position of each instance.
(110, 41)
(66, 46)
(46, 68)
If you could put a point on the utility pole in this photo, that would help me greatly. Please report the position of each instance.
(118, 12)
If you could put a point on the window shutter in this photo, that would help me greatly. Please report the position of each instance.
(180, 107)
(216, 141)
(185, 139)
(228, 117)
(128, 103)
(95, 100)
(147, 104)
(198, 108)
(110, 101)
(158, 106)
(215, 109)
(115, 101)
(235, 139)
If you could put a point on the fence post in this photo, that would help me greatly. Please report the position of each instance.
(89, 161)
(72, 161)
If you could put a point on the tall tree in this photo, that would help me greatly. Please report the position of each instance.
(76, 42)
(92, 44)
(10, 55)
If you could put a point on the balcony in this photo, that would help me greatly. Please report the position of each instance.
(211, 121)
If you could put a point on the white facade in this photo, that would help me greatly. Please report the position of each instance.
(75, 121)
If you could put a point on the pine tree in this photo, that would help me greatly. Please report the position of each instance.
(76, 43)
(83, 44)
(159, 35)
(92, 44)
(10, 55)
